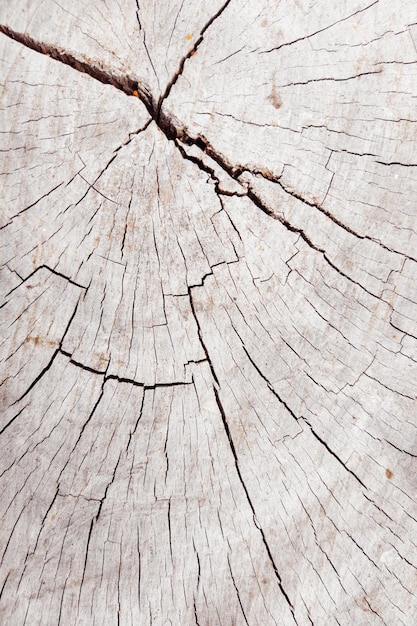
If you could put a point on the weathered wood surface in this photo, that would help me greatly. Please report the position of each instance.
(209, 321)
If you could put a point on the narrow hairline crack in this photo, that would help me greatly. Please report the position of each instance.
(321, 30)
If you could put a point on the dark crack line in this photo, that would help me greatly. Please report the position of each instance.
(10, 422)
(322, 30)
(130, 85)
(202, 166)
(195, 613)
(132, 432)
(398, 163)
(82, 430)
(116, 152)
(45, 195)
(49, 365)
(315, 206)
(107, 488)
(174, 130)
(71, 319)
(85, 560)
(81, 365)
(324, 211)
(125, 83)
(255, 519)
(297, 418)
(48, 510)
(299, 231)
(236, 171)
(338, 459)
(38, 377)
(50, 269)
(414, 456)
(237, 591)
(120, 379)
(332, 79)
(270, 387)
(189, 54)
(200, 336)
(142, 30)
(4, 584)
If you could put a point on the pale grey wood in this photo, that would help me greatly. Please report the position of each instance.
(143, 39)
(209, 338)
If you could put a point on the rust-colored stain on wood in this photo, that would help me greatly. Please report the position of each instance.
(275, 99)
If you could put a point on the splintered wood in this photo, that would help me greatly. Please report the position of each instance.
(209, 313)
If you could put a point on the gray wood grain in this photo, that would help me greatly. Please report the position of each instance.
(209, 313)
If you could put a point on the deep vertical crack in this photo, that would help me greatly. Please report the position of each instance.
(255, 519)
(189, 54)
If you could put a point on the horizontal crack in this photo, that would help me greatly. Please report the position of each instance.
(321, 30)
(120, 379)
(336, 80)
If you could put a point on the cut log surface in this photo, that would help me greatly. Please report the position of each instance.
(209, 313)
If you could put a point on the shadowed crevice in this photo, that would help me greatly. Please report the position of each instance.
(128, 84)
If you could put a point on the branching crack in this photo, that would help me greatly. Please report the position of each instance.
(173, 129)
(49, 269)
(327, 213)
(200, 336)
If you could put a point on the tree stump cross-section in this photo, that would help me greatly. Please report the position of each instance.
(209, 313)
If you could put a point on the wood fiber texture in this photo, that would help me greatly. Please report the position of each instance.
(208, 286)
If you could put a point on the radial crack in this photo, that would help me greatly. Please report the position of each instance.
(128, 84)
(267, 548)
(189, 54)
(321, 30)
